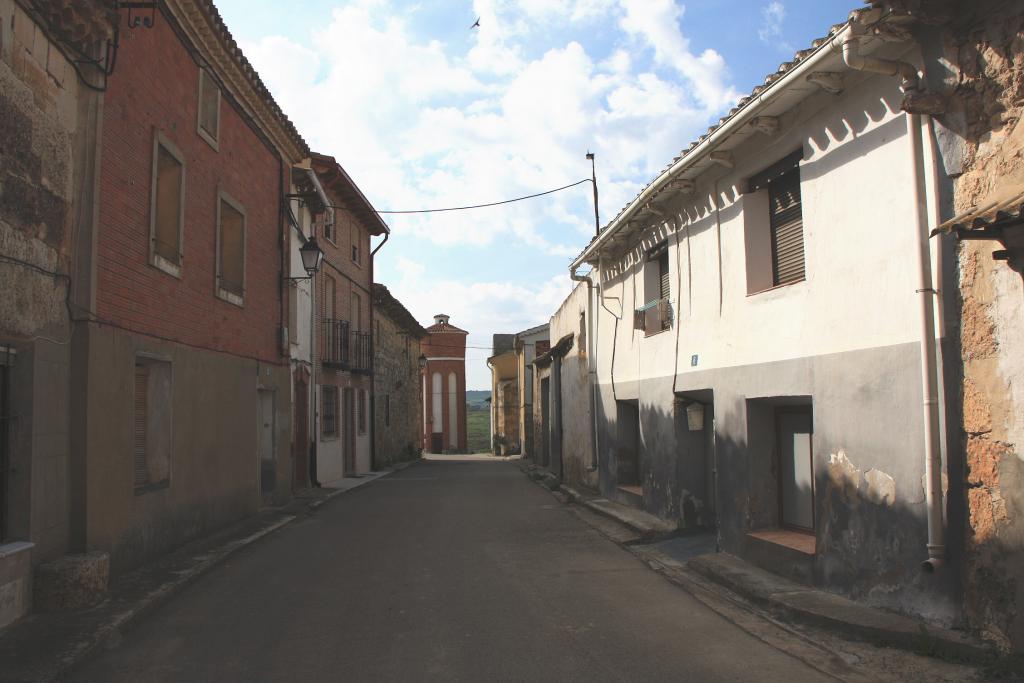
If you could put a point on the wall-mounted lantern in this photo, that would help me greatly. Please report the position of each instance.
(312, 256)
(423, 361)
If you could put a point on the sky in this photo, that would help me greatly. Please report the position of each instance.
(424, 111)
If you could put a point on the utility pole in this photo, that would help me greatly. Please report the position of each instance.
(593, 180)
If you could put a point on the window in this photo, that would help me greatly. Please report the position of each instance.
(328, 218)
(328, 411)
(356, 244)
(167, 206)
(329, 303)
(152, 424)
(655, 315)
(230, 250)
(773, 226)
(209, 108)
(387, 410)
(361, 411)
(357, 312)
(787, 229)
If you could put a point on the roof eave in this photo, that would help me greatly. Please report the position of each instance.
(731, 124)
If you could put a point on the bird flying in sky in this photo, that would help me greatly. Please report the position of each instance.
(476, 24)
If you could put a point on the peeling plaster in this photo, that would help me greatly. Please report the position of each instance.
(880, 488)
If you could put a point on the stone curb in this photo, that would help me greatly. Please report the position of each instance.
(800, 603)
(109, 631)
(836, 613)
(647, 532)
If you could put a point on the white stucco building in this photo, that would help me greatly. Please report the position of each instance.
(755, 322)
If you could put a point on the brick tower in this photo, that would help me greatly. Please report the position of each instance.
(444, 388)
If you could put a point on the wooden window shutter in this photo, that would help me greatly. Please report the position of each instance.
(141, 418)
(232, 249)
(787, 229)
(169, 178)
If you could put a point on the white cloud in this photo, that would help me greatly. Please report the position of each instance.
(481, 308)
(772, 17)
(422, 124)
(656, 22)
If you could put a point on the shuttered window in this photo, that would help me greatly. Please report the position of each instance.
(787, 228)
(209, 108)
(231, 249)
(167, 205)
(141, 416)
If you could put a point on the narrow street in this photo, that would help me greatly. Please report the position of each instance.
(444, 571)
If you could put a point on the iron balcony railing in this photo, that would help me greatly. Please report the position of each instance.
(344, 349)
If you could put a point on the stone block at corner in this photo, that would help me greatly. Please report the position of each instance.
(72, 582)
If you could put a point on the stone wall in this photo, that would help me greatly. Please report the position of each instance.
(982, 138)
(398, 407)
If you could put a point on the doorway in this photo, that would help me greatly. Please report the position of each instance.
(265, 444)
(545, 419)
(794, 426)
(628, 445)
(300, 445)
(348, 433)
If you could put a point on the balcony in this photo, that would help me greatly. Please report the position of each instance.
(653, 317)
(343, 349)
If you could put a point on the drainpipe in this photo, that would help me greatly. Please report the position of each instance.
(591, 359)
(925, 289)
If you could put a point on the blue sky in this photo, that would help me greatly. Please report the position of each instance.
(424, 112)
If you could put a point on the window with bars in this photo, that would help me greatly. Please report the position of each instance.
(328, 411)
(167, 206)
(151, 424)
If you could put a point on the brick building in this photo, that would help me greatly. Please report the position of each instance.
(398, 411)
(342, 328)
(444, 388)
(182, 407)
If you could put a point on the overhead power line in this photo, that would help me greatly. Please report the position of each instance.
(481, 206)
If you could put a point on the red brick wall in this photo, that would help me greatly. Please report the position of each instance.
(155, 87)
(446, 345)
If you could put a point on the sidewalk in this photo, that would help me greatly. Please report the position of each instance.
(44, 646)
(689, 559)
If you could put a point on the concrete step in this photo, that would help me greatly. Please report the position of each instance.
(647, 526)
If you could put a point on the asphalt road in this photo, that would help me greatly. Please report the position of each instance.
(454, 571)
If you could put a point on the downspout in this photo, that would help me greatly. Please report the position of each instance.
(925, 289)
(591, 360)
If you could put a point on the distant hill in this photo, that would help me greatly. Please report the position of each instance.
(477, 399)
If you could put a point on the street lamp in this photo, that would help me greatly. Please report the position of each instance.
(423, 361)
(312, 256)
